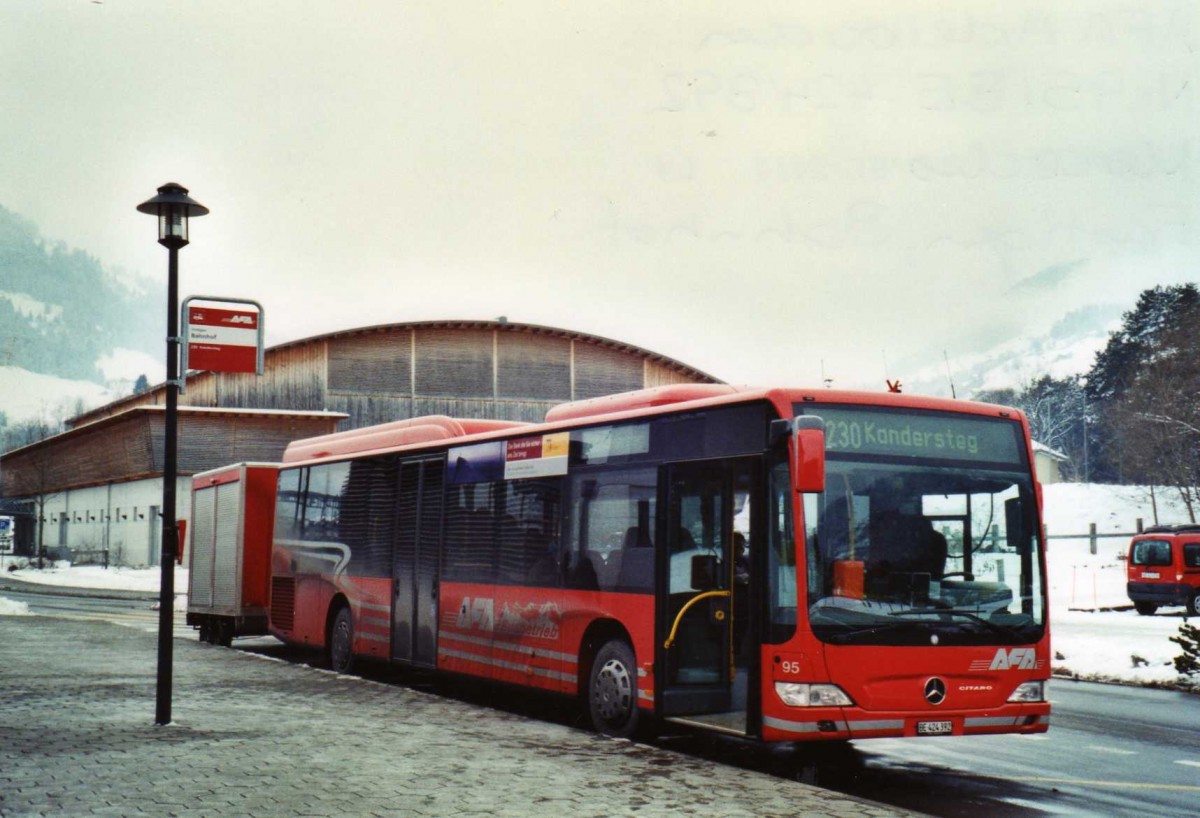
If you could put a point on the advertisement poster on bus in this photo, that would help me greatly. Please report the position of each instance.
(527, 457)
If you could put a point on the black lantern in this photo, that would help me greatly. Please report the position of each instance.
(173, 207)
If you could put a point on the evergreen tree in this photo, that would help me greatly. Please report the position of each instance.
(1159, 312)
(1188, 662)
(1157, 344)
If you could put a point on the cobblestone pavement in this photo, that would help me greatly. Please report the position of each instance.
(254, 737)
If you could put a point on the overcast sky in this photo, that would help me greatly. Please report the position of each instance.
(770, 195)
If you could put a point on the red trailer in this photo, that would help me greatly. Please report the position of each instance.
(229, 584)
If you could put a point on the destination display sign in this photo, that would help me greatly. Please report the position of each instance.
(926, 435)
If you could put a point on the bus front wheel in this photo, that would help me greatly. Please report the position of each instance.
(612, 690)
(341, 641)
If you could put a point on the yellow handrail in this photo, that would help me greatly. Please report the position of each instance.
(684, 609)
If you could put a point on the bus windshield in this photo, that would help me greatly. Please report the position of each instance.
(926, 532)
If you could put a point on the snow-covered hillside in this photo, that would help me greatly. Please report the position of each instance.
(1070, 507)
(1068, 348)
(29, 396)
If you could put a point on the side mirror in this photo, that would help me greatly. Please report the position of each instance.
(704, 572)
(808, 454)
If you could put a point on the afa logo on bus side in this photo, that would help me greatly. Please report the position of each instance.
(480, 613)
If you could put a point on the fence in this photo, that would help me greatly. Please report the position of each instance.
(1096, 587)
(1092, 537)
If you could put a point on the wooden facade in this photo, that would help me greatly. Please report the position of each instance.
(374, 375)
(129, 446)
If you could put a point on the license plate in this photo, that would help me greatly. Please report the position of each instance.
(935, 728)
(1150, 575)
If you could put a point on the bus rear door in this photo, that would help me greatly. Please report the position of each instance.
(415, 564)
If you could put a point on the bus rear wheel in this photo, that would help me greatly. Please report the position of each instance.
(341, 641)
(612, 690)
(1193, 603)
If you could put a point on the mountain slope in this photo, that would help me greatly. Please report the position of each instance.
(69, 329)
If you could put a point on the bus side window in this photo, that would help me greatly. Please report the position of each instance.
(529, 533)
(468, 550)
(611, 523)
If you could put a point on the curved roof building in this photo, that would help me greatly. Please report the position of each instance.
(470, 369)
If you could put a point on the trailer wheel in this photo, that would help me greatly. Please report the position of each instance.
(1145, 608)
(612, 690)
(223, 633)
(205, 631)
(341, 641)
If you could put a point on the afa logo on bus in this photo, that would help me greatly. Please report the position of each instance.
(1015, 659)
(1009, 659)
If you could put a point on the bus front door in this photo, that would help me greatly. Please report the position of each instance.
(705, 624)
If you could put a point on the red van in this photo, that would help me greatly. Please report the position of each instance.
(1164, 568)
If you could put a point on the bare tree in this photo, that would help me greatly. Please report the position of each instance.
(1160, 419)
(1057, 409)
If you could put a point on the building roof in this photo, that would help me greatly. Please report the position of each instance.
(503, 325)
(1053, 454)
(122, 417)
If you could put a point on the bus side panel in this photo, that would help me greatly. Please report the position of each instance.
(534, 636)
(313, 594)
(370, 600)
(634, 613)
(466, 620)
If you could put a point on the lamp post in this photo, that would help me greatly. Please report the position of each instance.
(173, 207)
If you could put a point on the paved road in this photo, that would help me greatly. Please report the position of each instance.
(252, 737)
(1111, 751)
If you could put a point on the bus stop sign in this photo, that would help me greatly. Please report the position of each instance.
(221, 339)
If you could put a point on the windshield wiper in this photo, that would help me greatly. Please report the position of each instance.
(851, 635)
(992, 626)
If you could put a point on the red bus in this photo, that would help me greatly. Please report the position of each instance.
(785, 565)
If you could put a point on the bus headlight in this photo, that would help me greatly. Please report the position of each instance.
(810, 695)
(1029, 692)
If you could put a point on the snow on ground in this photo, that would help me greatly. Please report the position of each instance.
(65, 575)
(10, 608)
(1095, 632)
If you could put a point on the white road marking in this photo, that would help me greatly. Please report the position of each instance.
(1111, 750)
